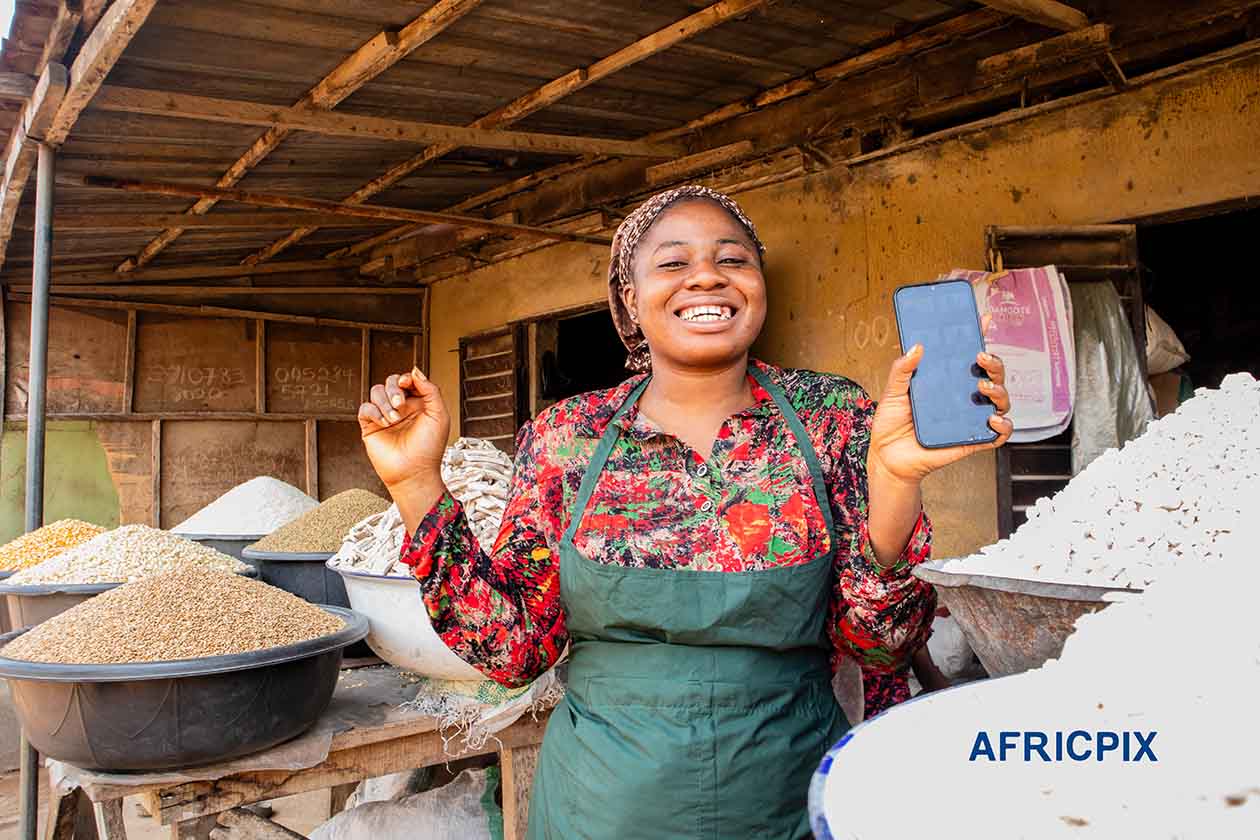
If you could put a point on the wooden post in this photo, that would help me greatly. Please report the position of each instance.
(260, 366)
(157, 473)
(109, 820)
(517, 765)
(422, 353)
(312, 458)
(337, 797)
(365, 364)
(129, 366)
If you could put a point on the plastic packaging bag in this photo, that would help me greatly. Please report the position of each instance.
(1113, 405)
(465, 809)
(1032, 332)
(1164, 350)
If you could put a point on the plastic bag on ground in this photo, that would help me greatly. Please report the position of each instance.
(1164, 350)
(463, 809)
(951, 652)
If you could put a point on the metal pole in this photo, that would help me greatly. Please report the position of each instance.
(36, 392)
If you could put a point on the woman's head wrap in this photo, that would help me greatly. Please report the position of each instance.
(621, 261)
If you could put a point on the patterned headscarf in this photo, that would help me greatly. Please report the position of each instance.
(621, 262)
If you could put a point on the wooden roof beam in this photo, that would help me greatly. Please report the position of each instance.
(547, 94)
(335, 207)
(96, 58)
(23, 148)
(1049, 13)
(59, 34)
(132, 288)
(377, 55)
(945, 32)
(160, 103)
(16, 87)
(106, 222)
(206, 272)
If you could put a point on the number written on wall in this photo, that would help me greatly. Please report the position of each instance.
(189, 383)
(325, 388)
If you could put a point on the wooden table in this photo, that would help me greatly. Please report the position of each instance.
(367, 735)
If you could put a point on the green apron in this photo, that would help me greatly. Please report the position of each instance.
(699, 703)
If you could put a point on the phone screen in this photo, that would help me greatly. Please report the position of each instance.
(947, 407)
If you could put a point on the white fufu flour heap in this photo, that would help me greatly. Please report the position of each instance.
(253, 509)
(1172, 496)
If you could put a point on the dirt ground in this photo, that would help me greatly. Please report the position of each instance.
(300, 813)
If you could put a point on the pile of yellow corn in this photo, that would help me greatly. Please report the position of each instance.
(45, 543)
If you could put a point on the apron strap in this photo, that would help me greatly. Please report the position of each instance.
(802, 440)
(609, 439)
(596, 466)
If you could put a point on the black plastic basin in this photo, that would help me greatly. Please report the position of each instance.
(229, 544)
(302, 573)
(170, 715)
(31, 604)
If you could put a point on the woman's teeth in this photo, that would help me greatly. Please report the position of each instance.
(706, 313)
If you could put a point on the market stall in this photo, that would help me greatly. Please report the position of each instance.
(261, 208)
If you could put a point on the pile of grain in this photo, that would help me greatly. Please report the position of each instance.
(322, 529)
(126, 554)
(255, 508)
(1171, 496)
(45, 543)
(185, 615)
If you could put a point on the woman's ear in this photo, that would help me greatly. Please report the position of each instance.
(628, 298)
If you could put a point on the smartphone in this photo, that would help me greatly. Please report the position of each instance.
(947, 407)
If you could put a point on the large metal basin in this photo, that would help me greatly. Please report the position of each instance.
(1015, 625)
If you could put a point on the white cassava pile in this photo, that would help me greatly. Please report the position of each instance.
(1181, 660)
(477, 474)
(253, 509)
(1172, 496)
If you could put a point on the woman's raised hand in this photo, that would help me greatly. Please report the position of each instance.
(404, 425)
(895, 451)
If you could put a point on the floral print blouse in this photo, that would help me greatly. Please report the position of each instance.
(660, 504)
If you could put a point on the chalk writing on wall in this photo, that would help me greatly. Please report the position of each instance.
(187, 383)
(324, 388)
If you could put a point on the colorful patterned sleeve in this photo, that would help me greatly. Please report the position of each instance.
(880, 616)
(500, 613)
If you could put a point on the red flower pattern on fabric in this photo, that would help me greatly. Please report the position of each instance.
(503, 612)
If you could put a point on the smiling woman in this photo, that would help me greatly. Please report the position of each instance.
(710, 540)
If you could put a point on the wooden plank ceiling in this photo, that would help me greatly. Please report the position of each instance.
(575, 74)
(488, 55)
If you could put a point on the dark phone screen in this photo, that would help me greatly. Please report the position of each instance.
(944, 399)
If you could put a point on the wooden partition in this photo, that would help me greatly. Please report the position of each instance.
(187, 406)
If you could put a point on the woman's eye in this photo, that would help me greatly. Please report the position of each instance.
(733, 261)
(672, 264)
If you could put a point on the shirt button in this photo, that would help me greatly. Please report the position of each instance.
(702, 470)
(707, 506)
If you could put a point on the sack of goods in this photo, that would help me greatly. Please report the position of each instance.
(1032, 333)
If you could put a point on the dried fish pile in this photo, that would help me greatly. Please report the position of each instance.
(476, 473)
(479, 474)
(188, 614)
(125, 554)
